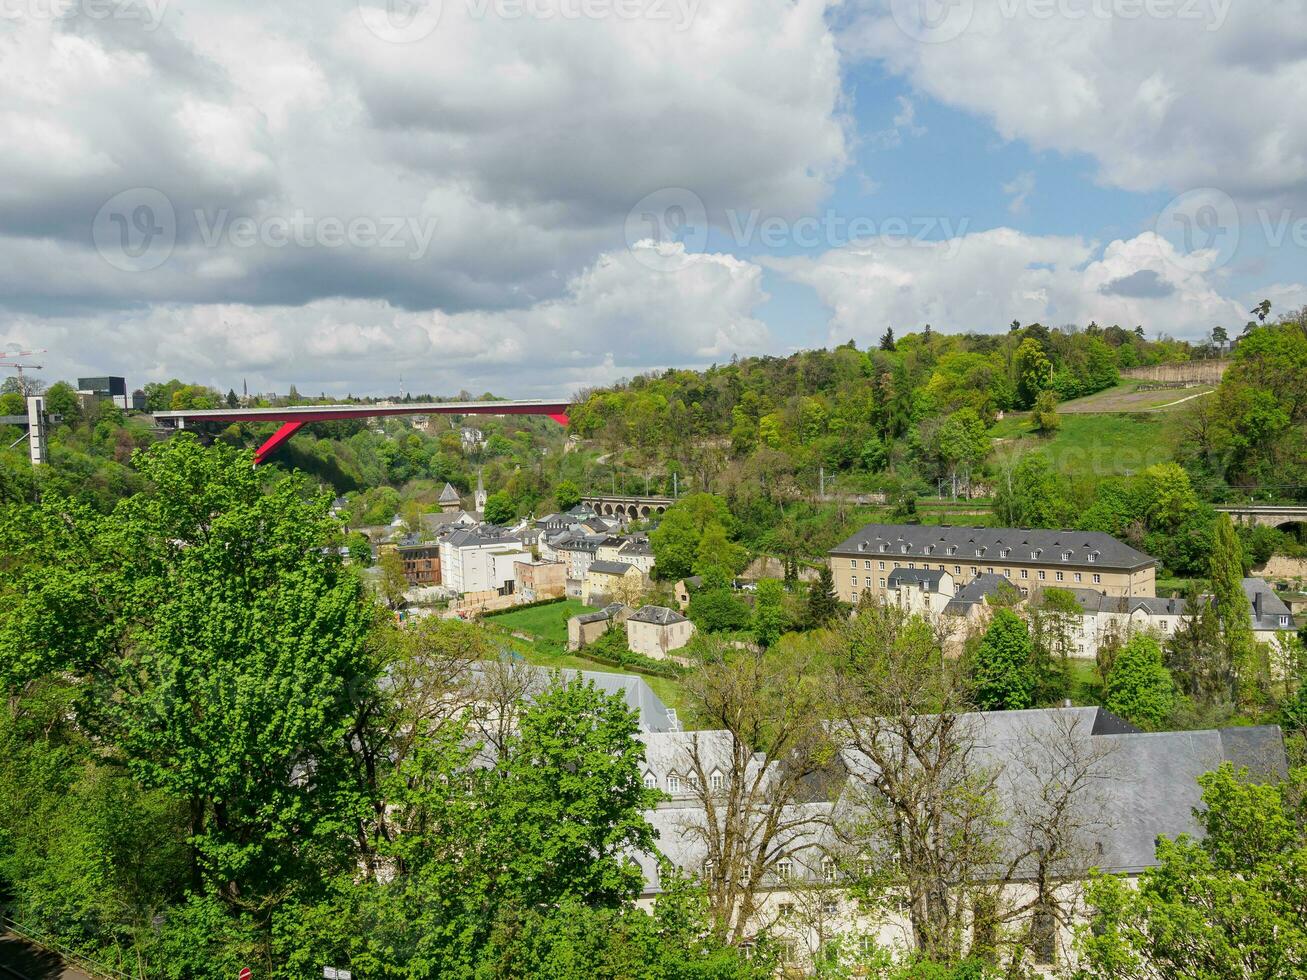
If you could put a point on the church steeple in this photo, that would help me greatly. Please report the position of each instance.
(481, 493)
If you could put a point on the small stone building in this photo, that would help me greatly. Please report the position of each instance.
(656, 631)
(585, 628)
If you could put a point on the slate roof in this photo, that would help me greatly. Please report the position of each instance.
(477, 537)
(449, 495)
(600, 615)
(655, 716)
(916, 576)
(981, 587)
(658, 615)
(988, 544)
(1267, 607)
(637, 546)
(610, 567)
(1143, 785)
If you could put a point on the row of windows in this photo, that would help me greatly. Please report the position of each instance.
(675, 783)
(1007, 573)
(957, 570)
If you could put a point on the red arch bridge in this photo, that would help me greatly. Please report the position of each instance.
(293, 418)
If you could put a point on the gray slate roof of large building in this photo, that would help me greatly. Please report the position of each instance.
(1144, 785)
(988, 543)
(658, 615)
(610, 567)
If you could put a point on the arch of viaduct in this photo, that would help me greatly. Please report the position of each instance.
(632, 508)
(1267, 515)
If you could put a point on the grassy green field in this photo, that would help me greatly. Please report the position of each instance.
(1086, 687)
(547, 622)
(549, 625)
(1128, 397)
(1095, 445)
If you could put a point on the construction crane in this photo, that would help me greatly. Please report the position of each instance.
(12, 358)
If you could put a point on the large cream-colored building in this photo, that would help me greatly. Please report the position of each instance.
(1029, 559)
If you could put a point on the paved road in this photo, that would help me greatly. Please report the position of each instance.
(20, 960)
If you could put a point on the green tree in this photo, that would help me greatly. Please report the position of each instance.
(1034, 372)
(391, 582)
(567, 495)
(1000, 670)
(1139, 688)
(716, 550)
(1043, 416)
(676, 539)
(718, 609)
(1230, 905)
(1029, 494)
(823, 603)
(227, 649)
(769, 619)
(1233, 617)
(61, 399)
(500, 508)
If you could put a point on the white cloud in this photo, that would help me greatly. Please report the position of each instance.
(1205, 93)
(617, 317)
(983, 281)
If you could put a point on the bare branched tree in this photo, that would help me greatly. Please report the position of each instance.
(761, 778)
(500, 691)
(920, 804)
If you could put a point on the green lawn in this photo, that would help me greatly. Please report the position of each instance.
(1085, 686)
(1096, 445)
(549, 625)
(547, 622)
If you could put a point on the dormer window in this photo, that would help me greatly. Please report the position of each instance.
(784, 868)
(716, 781)
(1005, 552)
(1066, 556)
(904, 549)
(1093, 556)
(952, 549)
(673, 783)
(649, 781)
(884, 547)
(1284, 621)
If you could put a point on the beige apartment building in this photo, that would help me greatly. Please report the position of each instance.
(1029, 559)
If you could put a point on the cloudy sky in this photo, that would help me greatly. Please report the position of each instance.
(529, 196)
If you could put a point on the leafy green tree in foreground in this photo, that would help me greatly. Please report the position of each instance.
(1231, 905)
(1139, 688)
(221, 652)
(499, 508)
(1000, 670)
